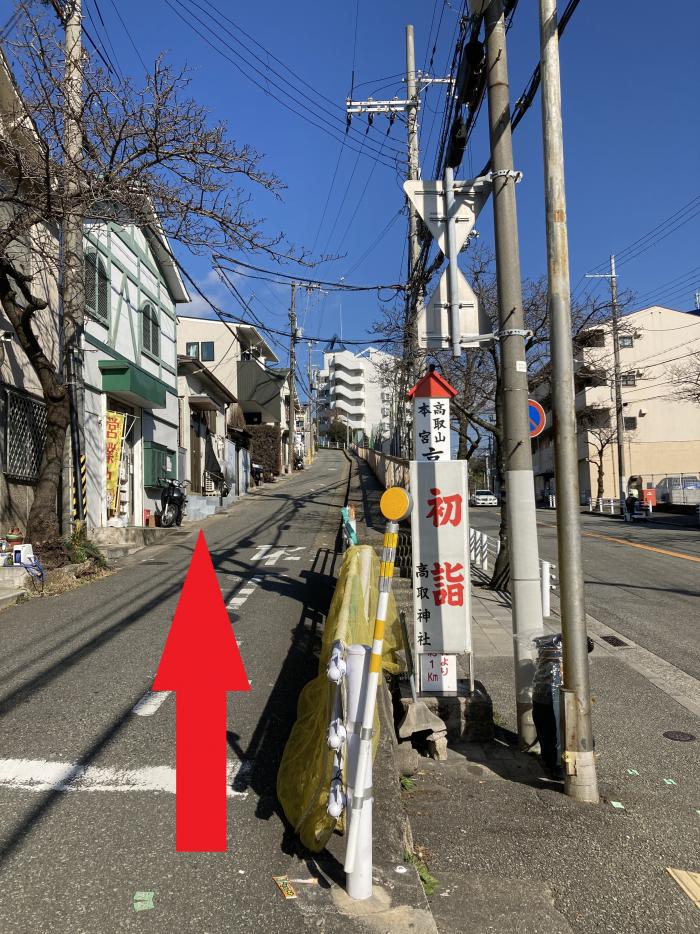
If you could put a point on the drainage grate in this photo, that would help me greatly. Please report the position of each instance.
(679, 736)
(613, 640)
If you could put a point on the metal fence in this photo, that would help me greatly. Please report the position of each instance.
(483, 551)
(25, 436)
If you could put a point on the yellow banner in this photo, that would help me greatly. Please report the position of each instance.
(114, 437)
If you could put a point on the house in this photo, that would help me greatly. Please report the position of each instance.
(661, 432)
(357, 389)
(212, 459)
(243, 361)
(22, 407)
(132, 291)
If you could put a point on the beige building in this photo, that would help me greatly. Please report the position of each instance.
(661, 432)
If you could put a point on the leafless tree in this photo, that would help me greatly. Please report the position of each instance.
(151, 157)
(601, 432)
(686, 380)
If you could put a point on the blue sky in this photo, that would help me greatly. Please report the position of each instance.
(630, 120)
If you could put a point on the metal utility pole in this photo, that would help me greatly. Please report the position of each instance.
(580, 772)
(292, 371)
(619, 417)
(520, 492)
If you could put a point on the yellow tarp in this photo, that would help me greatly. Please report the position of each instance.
(305, 772)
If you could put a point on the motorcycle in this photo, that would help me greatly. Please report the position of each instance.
(298, 461)
(173, 500)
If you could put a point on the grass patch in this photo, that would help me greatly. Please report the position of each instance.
(407, 783)
(429, 882)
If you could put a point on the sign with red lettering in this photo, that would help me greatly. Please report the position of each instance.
(438, 674)
(440, 537)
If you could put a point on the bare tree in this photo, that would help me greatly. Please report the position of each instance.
(151, 157)
(686, 380)
(601, 434)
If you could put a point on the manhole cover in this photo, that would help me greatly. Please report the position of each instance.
(679, 736)
(613, 640)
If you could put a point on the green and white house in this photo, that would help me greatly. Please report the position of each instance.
(132, 290)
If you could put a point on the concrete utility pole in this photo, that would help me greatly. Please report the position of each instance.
(580, 772)
(73, 276)
(310, 378)
(617, 377)
(520, 492)
(412, 175)
(292, 370)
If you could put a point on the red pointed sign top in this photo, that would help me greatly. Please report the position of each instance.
(201, 652)
(432, 386)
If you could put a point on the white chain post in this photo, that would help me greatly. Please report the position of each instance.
(545, 581)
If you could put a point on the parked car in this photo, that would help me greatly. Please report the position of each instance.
(483, 498)
(678, 489)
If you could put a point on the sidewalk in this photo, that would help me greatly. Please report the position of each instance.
(510, 851)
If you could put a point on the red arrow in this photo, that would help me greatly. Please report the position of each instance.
(200, 662)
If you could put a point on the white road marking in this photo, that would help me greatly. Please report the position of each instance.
(261, 552)
(150, 703)
(284, 552)
(41, 775)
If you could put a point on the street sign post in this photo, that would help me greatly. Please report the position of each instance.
(537, 420)
(440, 535)
(449, 209)
(434, 325)
(428, 198)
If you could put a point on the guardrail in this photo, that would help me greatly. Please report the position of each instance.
(483, 551)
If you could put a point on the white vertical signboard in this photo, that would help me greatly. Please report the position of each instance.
(440, 532)
(441, 581)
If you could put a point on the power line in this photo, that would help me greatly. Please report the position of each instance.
(129, 36)
(319, 111)
(339, 286)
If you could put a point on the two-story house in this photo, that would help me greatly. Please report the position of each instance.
(132, 290)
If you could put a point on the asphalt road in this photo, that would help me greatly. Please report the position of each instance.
(72, 670)
(642, 580)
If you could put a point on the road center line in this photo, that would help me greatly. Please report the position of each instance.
(150, 703)
(624, 541)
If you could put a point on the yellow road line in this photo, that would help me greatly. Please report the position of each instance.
(624, 541)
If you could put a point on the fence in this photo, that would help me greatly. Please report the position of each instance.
(389, 470)
(483, 551)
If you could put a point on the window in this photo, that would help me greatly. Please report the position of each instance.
(630, 423)
(192, 349)
(25, 434)
(207, 351)
(625, 340)
(96, 286)
(151, 334)
(628, 379)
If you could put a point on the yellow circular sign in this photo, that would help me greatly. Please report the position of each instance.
(395, 503)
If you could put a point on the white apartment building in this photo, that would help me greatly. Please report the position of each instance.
(358, 390)
(661, 432)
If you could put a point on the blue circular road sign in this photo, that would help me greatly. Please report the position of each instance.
(536, 418)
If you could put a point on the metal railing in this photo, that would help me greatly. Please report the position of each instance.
(483, 551)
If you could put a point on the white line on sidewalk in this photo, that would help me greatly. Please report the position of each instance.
(150, 703)
(40, 775)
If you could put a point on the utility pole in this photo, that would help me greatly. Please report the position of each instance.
(617, 377)
(73, 290)
(310, 378)
(580, 772)
(415, 81)
(292, 371)
(520, 493)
